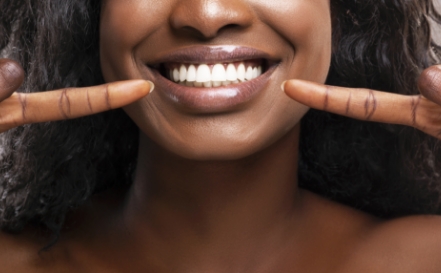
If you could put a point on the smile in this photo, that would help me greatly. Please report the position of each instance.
(214, 75)
(212, 79)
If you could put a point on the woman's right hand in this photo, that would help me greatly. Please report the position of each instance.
(23, 108)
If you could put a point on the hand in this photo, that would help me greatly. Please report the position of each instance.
(21, 108)
(420, 111)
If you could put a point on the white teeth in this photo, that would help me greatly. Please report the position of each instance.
(203, 73)
(191, 73)
(218, 74)
(255, 73)
(241, 72)
(249, 73)
(231, 73)
(202, 76)
(182, 73)
(217, 83)
(175, 75)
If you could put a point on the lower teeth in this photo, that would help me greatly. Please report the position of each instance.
(208, 84)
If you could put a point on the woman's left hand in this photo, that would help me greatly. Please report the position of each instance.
(420, 111)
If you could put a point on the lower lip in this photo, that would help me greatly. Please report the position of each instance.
(211, 100)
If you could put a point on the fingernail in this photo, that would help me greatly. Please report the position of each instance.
(152, 86)
(283, 86)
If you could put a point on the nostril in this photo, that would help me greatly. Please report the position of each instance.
(229, 26)
(206, 19)
(205, 35)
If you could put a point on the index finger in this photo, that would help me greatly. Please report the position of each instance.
(69, 103)
(358, 103)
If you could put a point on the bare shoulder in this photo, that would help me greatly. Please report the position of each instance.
(16, 253)
(408, 244)
(24, 252)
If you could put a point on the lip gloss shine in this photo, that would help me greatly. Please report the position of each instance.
(207, 96)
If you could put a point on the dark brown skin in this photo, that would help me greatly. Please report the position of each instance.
(231, 202)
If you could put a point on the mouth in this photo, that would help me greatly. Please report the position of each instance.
(215, 74)
(212, 79)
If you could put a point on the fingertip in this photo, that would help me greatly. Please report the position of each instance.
(152, 86)
(282, 86)
(295, 86)
(288, 85)
(145, 85)
(139, 87)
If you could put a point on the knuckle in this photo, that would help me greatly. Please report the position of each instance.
(370, 105)
(107, 97)
(415, 105)
(23, 102)
(64, 104)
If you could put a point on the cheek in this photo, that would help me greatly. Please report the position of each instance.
(120, 34)
(303, 25)
(306, 25)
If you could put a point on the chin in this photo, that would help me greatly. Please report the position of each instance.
(209, 151)
(222, 141)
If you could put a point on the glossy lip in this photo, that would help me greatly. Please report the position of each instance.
(216, 99)
(210, 55)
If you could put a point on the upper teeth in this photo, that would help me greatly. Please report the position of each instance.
(214, 75)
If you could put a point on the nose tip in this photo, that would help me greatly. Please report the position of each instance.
(207, 18)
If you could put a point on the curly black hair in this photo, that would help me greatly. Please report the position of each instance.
(49, 169)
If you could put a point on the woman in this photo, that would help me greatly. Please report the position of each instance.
(203, 176)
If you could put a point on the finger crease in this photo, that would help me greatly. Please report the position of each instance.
(415, 104)
(370, 105)
(23, 101)
(107, 95)
(64, 102)
(88, 101)
(348, 103)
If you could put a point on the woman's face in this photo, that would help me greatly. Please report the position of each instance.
(217, 66)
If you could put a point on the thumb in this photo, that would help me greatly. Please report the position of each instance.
(11, 77)
(429, 83)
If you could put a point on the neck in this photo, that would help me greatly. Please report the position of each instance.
(215, 202)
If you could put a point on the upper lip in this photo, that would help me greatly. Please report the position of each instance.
(210, 54)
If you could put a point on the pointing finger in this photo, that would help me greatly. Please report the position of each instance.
(69, 103)
(363, 104)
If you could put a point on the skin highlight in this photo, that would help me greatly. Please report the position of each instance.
(231, 202)
(234, 134)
